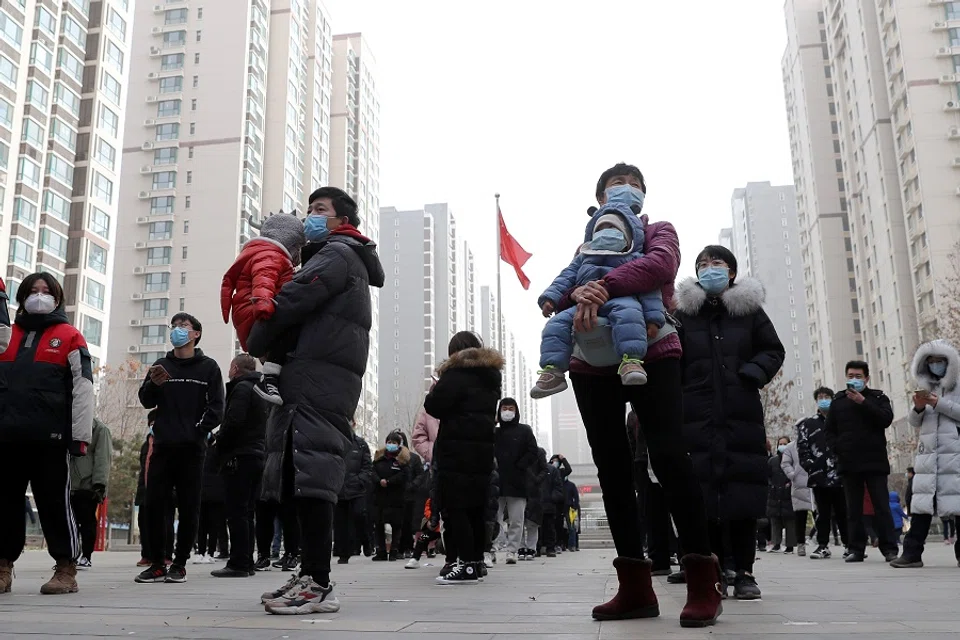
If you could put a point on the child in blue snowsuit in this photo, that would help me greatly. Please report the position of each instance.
(896, 510)
(614, 236)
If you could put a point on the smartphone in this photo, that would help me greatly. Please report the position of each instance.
(922, 392)
(158, 368)
(850, 385)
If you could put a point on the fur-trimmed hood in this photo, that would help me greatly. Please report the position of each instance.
(746, 296)
(403, 456)
(473, 359)
(925, 379)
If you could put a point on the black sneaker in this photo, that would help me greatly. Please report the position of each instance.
(84, 563)
(745, 587)
(775, 549)
(462, 573)
(263, 564)
(278, 562)
(380, 558)
(394, 556)
(156, 573)
(891, 557)
(229, 572)
(551, 553)
(431, 553)
(290, 563)
(343, 561)
(447, 568)
(905, 562)
(821, 553)
(269, 389)
(677, 577)
(788, 550)
(854, 556)
(176, 573)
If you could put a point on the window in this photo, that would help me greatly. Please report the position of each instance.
(63, 134)
(171, 85)
(156, 282)
(99, 222)
(162, 205)
(6, 114)
(118, 25)
(56, 205)
(165, 180)
(155, 308)
(97, 258)
(106, 154)
(103, 188)
(45, 21)
(189, 177)
(29, 172)
(199, 35)
(109, 121)
(186, 227)
(158, 256)
(92, 330)
(154, 334)
(184, 253)
(21, 254)
(171, 62)
(196, 81)
(174, 39)
(199, 13)
(954, 37)
(196, 58)
(193, 104)
(165, 156)
(183, 278)
(170, 131)
(183, 304)
(114, 54)
(190, 152)
(74, 31)
(41, 57)
(72, 65)
(175, 16)
(13, 32)
(110, 86)
(4, 159)
(168, 108)
(24, 212)
(160, 231)
(186, 202)
(8, 72)
(148, 358)
(60, 169)
(32, 133)
(53, 243)
(952, 10)
(37, 95)
(193, 128)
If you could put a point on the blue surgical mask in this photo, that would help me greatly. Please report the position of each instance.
(626, 194)
(781, 448)
(714, 280)
(179, 337)
(856, 384)
(824, 404)
(938, 368)
(608, 240)
(315, 228)
(393, 448)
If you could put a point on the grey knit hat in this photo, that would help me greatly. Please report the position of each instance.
(286, 229)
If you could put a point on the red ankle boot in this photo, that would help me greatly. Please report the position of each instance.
(635, 597)
(703, 591)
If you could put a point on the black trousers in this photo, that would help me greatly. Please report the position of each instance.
(394, 517)
(47, 470)
(466, 530)
(143, 523)
(876, 485)
(741, 538)
(241, 478)
(661, 543)
(659, 407)
(267, 512)
(85, 505)
(548, 531)
(212, 518)
(405, 543)
(172, 467)
(800, 522)
(350, 527)
(831, 507)
(916, 538)
(316, 531)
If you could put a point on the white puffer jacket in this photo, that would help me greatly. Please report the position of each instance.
(937, 465)
(800, 493)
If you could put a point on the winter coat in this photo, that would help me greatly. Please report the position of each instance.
(5, 329)
(328, 301)
(856, 433)
(244, 424)
(425, 434)
(800, 492)
(730, 351)
(395, 469)
(536, 476)
(896, 509)
(565, 468)
(190, 403)
(492, 510)
(936, 483)
(417, 478)
(516, 451)
(465, 401)
(46, 382)
(779, 502)
(573, 495)
(212, 486)
(93, 469)
(552, 493)
(816, 457)
(358, 474)
(252, 282)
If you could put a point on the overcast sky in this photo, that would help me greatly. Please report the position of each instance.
(534, 99)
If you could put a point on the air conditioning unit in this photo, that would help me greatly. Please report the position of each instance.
(153, 75)
(155, 51)
(139, 245)
(153, 98)
(954, 132)
(134, 323)
(143, 195)
(951, 106)
(133, 349)
(146, 169)
(949, 78)
(945, 51)
(158, 8)
(939, 26)
(147, 146)
(136, 296)
(156, 30)
(956, 162)
(137, 271)
(149, 122)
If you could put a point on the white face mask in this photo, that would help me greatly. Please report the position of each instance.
(39, 303)
(507, 416)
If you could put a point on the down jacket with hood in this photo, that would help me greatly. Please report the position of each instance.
(730, 351)
(536, 476)
(425, 433)
(395, 469)
(936, 485)
(552, 493)
(516, 451)
(359, 469)
(328, 301)
(465, 399)
(800, 492)
(779, 503)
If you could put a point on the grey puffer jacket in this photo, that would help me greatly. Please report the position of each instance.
(937, 467)
(800, 492)
(328, 302)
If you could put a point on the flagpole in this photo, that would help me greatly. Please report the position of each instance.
(499, 256)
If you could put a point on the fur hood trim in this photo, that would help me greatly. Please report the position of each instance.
(472, 359)
(403, 457)
(921, 373)
(746, 296)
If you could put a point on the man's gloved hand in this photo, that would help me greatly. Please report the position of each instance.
(78, 449)
(99, 492)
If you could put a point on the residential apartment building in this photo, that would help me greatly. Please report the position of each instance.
(767, 246)
(63, 82)
(826, 253)
(725, 238)
(569, 434)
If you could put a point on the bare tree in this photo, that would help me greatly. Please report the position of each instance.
(777, 415)
(118, 403)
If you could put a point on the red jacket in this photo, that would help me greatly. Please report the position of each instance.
(252, 283)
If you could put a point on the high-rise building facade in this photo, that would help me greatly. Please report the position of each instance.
(63, 81)
(725, 239)
(767, 246)
(826, 251)
(445, 253)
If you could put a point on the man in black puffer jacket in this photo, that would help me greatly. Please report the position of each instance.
(551, 494)
(350, 522)
(516, 453)
(328, 305)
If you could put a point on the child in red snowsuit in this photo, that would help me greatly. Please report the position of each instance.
(264, 265)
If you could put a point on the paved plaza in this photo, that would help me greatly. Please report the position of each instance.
(542, 599)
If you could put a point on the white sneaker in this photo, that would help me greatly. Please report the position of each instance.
(200, 559)
(209, 559)
(489, 560)
(412, 563)
(511, 558)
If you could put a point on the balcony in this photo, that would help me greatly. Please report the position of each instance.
(157, 217)
(150, 295)
(156, 268)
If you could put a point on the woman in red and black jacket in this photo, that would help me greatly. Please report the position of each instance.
(46, 415)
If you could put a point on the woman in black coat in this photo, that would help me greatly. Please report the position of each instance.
(464, 400)
(730, 352)
(779, 502)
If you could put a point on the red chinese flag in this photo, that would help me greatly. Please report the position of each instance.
(512, 253)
